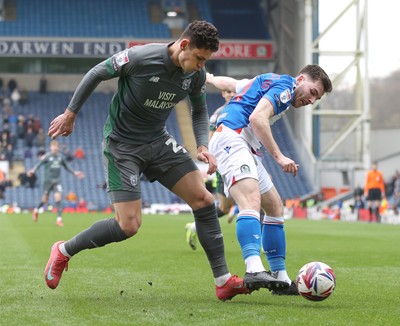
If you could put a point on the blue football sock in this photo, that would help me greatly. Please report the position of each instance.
(274, 243)
(248, 233)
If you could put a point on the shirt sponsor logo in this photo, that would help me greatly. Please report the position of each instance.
(285, 96)
(278, 101)
(122, 58)
(245, 168)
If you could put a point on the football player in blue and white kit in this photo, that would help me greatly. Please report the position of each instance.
(242, 128)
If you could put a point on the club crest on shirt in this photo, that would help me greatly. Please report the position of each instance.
(244, 168)
(285, 96)
(186, 84)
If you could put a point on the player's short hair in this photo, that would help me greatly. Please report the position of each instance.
(54, 142)
(315, 72)
(202, 35)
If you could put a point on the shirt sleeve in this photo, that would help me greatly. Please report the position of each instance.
(240, 84)
(112, 67)
(199, 111)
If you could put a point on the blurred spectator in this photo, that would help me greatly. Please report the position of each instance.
(5, 139)
(12, 84)
(79, 153)
(358, 198)
(8, 155)
(29, 138)
(27, 181)
(396, 193)
(7, 108)
(2, 176)
(24, 97)
(82, 204)
(36, 125)
(15, 96)
(72, 199)
(40, 140)
(67, 153)
(20, 126)
(6, 131)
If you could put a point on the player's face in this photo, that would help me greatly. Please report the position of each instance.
(228, 95)
(307, 91)
(193, 59)
(54, 148)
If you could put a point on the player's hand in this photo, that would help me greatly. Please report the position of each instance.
(288, 165)
(63, 125)
(29, 173)
(79, 174)
(205, 156)
(209, 77)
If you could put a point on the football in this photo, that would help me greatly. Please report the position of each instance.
(316, 281)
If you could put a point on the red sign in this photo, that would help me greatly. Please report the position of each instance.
(244, 50)
(237, 50)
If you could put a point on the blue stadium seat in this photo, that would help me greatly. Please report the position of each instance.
(75, 18)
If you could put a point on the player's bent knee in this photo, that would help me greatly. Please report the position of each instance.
(130, 229)
(202, 199)
(130, 226)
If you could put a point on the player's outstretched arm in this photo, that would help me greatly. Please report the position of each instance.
(223, 83)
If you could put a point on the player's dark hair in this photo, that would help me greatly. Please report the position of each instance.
(202, 35)
(317, 73)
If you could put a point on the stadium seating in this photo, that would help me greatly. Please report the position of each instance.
(75, 18)
(236, 19)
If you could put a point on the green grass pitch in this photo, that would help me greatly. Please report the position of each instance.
(154, 278)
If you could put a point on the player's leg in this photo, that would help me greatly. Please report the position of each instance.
(123, 182)
(192, 190)
(223, 207)
(58, 204)
(237, 166)
(248, 231)
(224, 203)
(125, 224)
(233, 212)
(44, 201)
(274, 240)
(370, 204)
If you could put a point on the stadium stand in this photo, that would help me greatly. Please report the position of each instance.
(88, 134)
(93, 19)
(234, 17)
